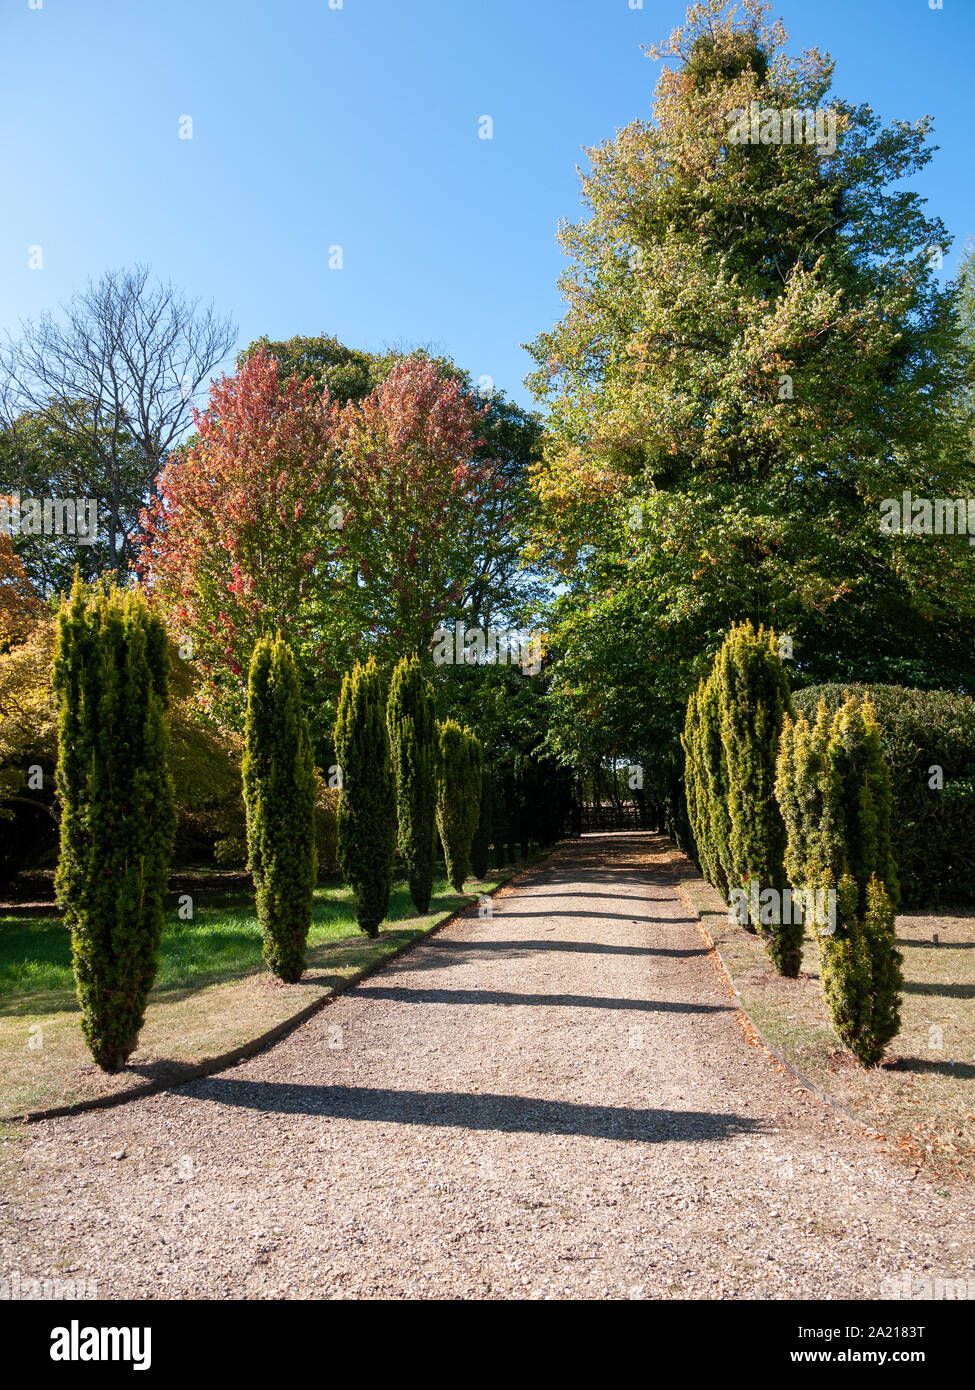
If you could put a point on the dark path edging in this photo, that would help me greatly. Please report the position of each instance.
(197, 1070)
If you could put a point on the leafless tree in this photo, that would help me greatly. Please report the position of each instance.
(121, 367)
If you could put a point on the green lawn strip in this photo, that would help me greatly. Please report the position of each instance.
(923, 1096)
(212, 993)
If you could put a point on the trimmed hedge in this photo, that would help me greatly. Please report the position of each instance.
(932, 831)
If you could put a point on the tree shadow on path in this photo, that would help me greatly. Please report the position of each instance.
(406, 995)
(453, 1109)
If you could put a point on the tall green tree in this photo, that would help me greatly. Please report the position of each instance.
(756, 350)
(411, 721)
(279, 797)
(117, 809)
(367, 802)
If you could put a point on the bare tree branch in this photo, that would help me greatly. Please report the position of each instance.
(123, 365)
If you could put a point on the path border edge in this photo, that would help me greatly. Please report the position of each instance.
(196, 1071)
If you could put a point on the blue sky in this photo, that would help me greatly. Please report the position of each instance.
(358, 127)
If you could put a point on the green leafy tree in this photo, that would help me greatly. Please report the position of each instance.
(367, 804)
(117, 809)
(411, 721)
(458, 797)
(755, 351)
(932, 817)
(279, 796)
(58, 452)
(966, 318)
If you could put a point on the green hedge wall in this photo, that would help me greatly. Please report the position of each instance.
(932, 831)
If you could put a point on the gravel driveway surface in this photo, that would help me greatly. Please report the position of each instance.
(557, 1100)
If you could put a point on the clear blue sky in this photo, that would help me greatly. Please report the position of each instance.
(358, 126)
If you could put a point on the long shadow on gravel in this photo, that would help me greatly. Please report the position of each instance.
(461, 952)
(452, 1109)
(600, 916)
(578, 1001)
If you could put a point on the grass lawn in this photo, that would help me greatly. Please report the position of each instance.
(922, 1096)
(212, 992)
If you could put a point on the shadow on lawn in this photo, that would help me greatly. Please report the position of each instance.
(959, 1071)
(451, 1109)
(944, 990)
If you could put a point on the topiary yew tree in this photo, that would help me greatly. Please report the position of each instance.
(861, 972)
(754, 700)
(279, 797)
(706, 781)
(411, 724)
(928, 743)
(834, 788)
(481, 843)
(367, 803)
(118, 819)
(458, 797)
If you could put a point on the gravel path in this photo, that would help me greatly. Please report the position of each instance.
(554, 1101)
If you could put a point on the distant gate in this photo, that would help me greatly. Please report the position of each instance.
(627, 816)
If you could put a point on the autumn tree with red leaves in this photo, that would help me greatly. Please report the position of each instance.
(20, 606)
(413, 488)
(243, 538)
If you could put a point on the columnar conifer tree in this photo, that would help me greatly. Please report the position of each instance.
(834, 790)
(707, 782)
(693, 791)
(279, 798)
(802, 789)
(754, 699)
(860, 784)
(859, 962)
(458, 797)
(117, 809)
(716, 783)
(411, 724)
(481, 844)
(367, 802)
(861, 970)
